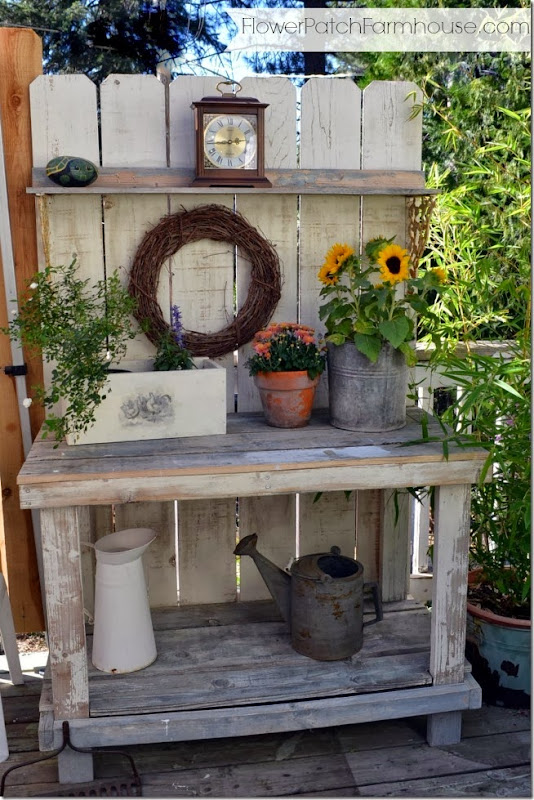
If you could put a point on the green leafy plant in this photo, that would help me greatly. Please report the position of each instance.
(362, 301)
(494, 411)
(171, 353)
(80, 330)
(287, 347)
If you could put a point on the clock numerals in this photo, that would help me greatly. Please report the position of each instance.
(230, 142)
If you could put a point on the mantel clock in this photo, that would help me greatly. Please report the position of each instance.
(230, 140)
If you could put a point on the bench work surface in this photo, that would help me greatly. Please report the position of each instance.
(250, 459)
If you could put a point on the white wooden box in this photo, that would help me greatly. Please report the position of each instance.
(144, 404)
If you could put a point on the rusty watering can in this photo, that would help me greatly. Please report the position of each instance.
(321, 599)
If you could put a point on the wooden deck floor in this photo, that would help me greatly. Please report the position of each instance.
(382, 759)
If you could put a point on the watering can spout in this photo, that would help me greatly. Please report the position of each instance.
(277, 581)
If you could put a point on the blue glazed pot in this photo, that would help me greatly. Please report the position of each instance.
(499, 649)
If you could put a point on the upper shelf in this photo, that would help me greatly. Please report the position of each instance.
(284, 181)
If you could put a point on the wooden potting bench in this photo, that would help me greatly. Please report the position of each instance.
(228, 669)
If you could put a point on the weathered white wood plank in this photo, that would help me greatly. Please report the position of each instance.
(326, 522)
(133, 132)
(201, 281)
(261, 479)
(274, 217)
(395, 544)
(206, 536)
(66, 631)
(328, 140)
(273, 519)
(368, 522)
(159, 560)
(451, 550)
(64, 115)
(133, 120)
(389, 140)
(183, 91)
(67, 229)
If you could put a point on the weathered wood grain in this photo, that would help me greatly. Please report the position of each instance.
(125, 224)
(419, 761)
(271, 717)
(314, 180)
(20, 62)
(64, 600)
(274, 755)
(276, 217)
(509, 782)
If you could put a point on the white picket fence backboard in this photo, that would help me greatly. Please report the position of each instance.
(135, 121)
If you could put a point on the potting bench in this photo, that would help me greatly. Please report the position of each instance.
(228, 669)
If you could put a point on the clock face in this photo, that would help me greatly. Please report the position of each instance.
(230, 141)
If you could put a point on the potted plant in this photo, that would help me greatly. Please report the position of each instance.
(80, 332)
(286, 366)
(83, 331)
(169, 396)
(369, 311)
(494, 409)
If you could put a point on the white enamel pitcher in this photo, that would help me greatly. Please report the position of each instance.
(123, 638)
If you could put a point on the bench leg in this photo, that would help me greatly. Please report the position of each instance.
(74, 767)
(444, 728)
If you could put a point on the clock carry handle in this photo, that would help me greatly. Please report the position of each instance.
(229, 83)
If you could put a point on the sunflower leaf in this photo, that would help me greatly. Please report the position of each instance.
(336, 338)
(395, 330)
(361, 326)
(370, 346)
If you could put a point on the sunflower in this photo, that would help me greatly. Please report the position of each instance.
(440, 273)
(335, 258)
(394, 262)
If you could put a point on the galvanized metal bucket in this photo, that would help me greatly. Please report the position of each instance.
(327, 593)
(366, 396)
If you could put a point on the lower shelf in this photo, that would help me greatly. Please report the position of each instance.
(239, 658)
(229, 670)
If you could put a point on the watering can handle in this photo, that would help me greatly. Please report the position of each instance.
(374, 588)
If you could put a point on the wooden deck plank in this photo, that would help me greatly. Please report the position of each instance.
(509, 782)
(283, 760)
(421, 761)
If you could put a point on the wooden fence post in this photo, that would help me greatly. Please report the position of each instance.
(20, 63)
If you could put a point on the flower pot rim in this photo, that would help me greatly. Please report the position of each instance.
(489, 616)
(284, 372)
(282, 376)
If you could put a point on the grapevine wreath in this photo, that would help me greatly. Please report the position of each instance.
(222, 225)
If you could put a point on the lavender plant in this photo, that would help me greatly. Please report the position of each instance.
(172, 353)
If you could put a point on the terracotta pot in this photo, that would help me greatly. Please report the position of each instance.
(286, 397)
(499, 650)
